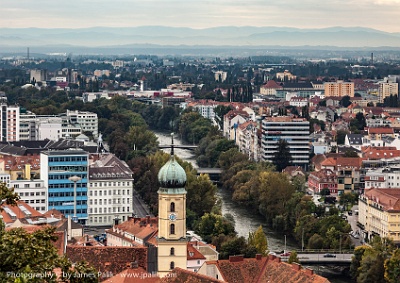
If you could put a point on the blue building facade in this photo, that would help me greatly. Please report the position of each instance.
(56, 169)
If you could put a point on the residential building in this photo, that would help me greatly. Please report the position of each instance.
(270, 88)
(110, 191)
(323, 179)
(32, 192)
(58, 169)
(296, 132)
(232, 120)
(9, 122)
(248, 141)
(87, 121)
(285, 76)
(339, 89)
(386, 89)
(379, 213)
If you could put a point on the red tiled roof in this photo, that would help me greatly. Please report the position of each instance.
(271, 84)
(381, 130)
(193, 253)
(20, 214)
(133, 275)
(370, 152)
(388, 198)
(109, 259)
(179, 275)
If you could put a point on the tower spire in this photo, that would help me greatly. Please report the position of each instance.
(172, 144)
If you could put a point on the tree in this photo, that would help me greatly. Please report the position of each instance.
(201, 194)
(258, 240)
(392, 267)
(293, 257)
(212, 225)
(356, 260)
(22, 252)
(345, 101)
(282, 157)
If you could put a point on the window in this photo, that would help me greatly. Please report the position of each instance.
(172, 229)
(172, 251)
(172, 265)
(172, 207)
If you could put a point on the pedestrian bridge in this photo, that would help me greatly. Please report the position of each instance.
(183, 146)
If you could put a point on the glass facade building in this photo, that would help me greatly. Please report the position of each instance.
(56, 169)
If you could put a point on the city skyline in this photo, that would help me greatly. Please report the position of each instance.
(377, 14)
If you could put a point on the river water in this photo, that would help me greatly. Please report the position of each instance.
(246, 221)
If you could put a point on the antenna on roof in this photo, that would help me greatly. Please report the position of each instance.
(172, 144)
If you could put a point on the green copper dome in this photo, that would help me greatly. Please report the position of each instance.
(172, 175)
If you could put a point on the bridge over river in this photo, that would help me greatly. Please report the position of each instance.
(336, 259)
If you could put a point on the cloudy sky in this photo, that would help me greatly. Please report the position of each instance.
(379, 14)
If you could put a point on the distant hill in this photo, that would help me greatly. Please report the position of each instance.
(107, 37)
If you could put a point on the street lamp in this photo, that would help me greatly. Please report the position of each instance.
(75, 179)
(285, 245)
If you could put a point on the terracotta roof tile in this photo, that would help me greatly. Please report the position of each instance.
(133, 275)
(179, 275)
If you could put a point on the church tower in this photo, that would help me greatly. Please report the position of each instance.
(172, 243)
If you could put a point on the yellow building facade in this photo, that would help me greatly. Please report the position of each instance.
(379, 213)
(171, 241)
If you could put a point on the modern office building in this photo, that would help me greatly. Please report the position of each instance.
(296, 132)
(86, 120)
(57, 167)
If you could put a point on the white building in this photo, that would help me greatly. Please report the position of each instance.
(87, 121)
(32, 192)
(55, 127)
(296, 132)
(110, 191)
(9, 122)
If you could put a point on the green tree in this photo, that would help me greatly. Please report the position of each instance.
(258, 239)
(201, 194)
(392, 267)
(282, 157)
(212, 225)
(293, 257)
(356, 260)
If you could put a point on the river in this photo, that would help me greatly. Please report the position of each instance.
(245, 220)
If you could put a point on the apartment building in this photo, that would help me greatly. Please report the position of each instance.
(379, 213)
(32, 192)
(9, 122)
(339, 89)
(110, 191)
(248, 141)
(55, 127)
(386, 89)
(87, 121)
(296, 132)
(57, 167)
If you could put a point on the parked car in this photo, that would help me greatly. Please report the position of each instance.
(329, 255)
(286, 254)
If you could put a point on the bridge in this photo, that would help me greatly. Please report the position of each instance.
(337, 259)
(183, 146)
(213, 173)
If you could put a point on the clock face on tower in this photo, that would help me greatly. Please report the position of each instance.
(172, 217)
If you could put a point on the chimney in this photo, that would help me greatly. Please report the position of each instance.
(296, 266)
(309, 272)
(258, 256)
(147, 219)
(235, 258)
(133, 264)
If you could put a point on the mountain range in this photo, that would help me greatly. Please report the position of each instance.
(126, 37)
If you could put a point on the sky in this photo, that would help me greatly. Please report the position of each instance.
(382, 15)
